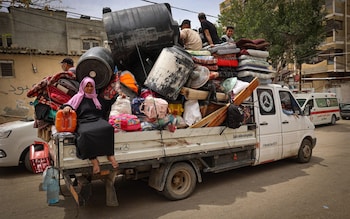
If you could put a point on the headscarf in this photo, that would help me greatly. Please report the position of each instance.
(78, 97)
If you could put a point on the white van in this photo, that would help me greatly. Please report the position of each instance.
(324, 107)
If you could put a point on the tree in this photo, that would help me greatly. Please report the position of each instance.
(294, 28)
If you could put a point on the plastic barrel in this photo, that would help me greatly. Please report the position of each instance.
(150, 28)
(98, 64)
(170, 72)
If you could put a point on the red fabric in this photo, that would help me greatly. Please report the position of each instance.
(227, 63)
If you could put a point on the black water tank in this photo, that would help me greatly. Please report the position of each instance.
(151, 28)
(98, 64)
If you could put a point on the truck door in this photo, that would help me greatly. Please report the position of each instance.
(269, 125)
(291, 123)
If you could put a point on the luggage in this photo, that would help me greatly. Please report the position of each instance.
(154, 108)
(57, 95)
(125, 122)
(71, 86)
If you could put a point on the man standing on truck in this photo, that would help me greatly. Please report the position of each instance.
(209, 30)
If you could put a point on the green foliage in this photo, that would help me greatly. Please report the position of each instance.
(294, 28)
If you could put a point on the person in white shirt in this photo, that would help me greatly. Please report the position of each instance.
(189, 38)
(228, 37)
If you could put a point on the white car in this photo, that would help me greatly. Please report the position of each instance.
(15, 140)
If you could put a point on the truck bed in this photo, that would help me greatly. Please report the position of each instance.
(155, 145)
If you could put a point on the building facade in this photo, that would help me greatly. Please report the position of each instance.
(33, 43)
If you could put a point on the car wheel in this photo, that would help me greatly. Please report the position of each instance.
(180, 182)
(333, 120)
(305, 151)
(27, 163)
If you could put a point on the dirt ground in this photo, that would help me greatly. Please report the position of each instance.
(284, 189)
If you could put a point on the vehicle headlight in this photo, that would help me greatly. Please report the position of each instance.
(5, 134)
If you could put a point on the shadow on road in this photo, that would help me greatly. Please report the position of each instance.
(137, 200)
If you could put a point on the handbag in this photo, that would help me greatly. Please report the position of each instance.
(125, 122)
(154, 108)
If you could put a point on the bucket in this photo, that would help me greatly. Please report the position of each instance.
(96, 63)
(170, 72)
(150, 28)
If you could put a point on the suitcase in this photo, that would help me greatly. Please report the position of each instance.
(71, 86)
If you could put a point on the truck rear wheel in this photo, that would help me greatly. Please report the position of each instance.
(305, 151)
(180, 182)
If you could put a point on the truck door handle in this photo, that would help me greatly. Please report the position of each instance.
(285, 122)
(264, 123)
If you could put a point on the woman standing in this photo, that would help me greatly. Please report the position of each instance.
(95, 136)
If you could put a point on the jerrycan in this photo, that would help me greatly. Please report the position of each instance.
(66, 122)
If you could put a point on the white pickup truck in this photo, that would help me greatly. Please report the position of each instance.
(173, 162)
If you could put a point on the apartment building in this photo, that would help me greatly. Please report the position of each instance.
(331, 70)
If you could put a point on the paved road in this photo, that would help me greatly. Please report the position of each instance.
(284, 189)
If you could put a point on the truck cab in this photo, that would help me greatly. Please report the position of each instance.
(280, 135)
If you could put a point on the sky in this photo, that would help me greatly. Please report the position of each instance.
(94, 8)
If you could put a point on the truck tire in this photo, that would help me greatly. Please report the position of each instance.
(305, 151)
(180, 182)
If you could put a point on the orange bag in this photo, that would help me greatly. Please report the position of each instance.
(66, 122)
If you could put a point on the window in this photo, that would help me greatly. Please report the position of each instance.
(6, 68)
(266, 102)
(326, 102)
(89, 43)
(5, 40)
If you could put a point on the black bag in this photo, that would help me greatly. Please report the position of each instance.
(235, 116)
(71, 85)
(43, 112)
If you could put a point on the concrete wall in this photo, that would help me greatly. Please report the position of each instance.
(40, 39)
(13, 91)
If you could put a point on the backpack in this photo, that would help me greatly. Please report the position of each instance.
(154, 108)
(235, 116)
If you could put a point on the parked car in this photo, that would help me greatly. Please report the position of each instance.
(15, 140)
(345, 111)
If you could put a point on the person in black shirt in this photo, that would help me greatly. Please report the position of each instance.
(209, 30)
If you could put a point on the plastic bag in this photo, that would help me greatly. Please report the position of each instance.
(192, 113)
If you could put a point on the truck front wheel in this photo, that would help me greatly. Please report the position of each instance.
(305, 151)
(180, 182)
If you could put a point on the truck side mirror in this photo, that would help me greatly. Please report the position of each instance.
(307, 110)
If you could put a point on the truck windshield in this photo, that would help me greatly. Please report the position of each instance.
(301, 102)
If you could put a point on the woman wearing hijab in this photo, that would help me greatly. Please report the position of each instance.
(95, 136)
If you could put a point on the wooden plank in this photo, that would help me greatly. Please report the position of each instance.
(220, 118)
(210, 118)
(193, 94)
(244, 94)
